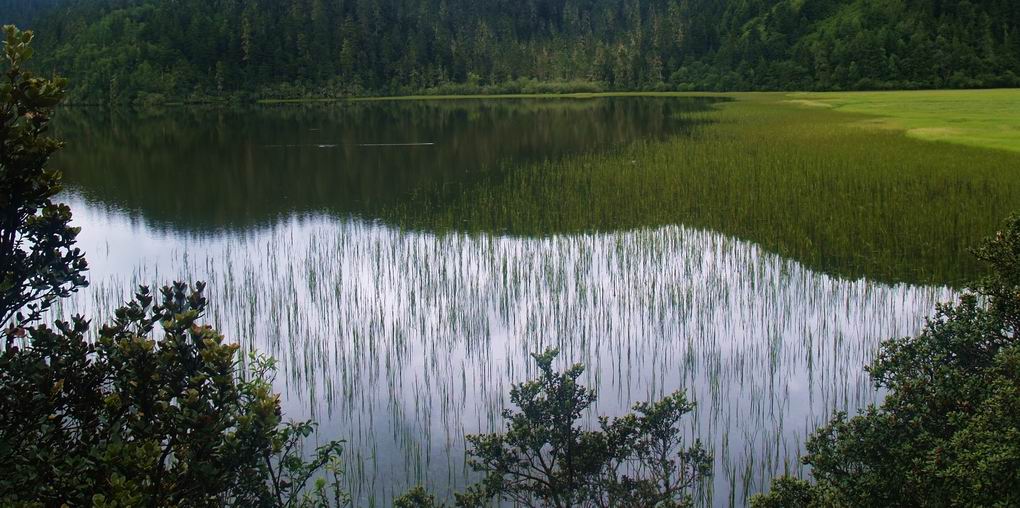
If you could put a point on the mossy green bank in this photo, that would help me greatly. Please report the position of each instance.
(981, 118)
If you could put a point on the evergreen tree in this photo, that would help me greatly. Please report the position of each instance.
(140, 49)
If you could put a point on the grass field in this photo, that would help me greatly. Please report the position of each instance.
(981, 118)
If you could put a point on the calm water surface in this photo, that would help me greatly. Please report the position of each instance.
(402, 340)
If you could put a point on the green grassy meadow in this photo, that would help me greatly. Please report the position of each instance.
(805, 182)
(981, 118)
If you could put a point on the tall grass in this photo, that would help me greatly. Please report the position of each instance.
(810, 184)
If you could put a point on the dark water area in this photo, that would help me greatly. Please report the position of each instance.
(208, 168)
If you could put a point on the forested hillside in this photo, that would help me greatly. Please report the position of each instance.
(24, 12)
(160, 49)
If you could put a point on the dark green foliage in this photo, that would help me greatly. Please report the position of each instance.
(152, 50)
(38, 260)
(790, 492)
(948, 432)
(546, 458)
(417, 497)
(24, 12)
(139, 417)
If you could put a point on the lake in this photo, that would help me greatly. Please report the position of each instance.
(402, 259)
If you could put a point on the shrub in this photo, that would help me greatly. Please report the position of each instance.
(948, 432)
(155, 410)
(140, 416)
(545, 458)
(38, 260)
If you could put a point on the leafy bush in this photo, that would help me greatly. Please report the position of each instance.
(417, 497)
(155, 410)
(545, 458)
(130, 419)
(948, 432)
(38, 260)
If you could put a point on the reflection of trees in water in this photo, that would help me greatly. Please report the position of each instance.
(207, 168)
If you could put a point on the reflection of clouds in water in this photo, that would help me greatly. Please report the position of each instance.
(401, 342)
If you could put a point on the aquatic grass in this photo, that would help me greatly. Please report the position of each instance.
(754, 259)
(406, 340)
(809, 184)
(806, 183)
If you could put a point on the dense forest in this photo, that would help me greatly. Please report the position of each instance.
(117, 50)
(24, 12)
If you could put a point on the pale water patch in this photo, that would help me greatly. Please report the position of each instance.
(401, 342)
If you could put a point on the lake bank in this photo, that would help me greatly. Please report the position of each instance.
(986, 118)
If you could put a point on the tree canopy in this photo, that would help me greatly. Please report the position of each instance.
(117, 50)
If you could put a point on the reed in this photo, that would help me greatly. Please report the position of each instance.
(401, 342)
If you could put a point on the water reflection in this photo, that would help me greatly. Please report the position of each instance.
(402, 339)
(204, 169)
(401, 342)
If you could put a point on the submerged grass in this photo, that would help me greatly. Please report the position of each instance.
(806, 182)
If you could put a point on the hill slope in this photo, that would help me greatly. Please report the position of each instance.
(131, 49)
(24, 12)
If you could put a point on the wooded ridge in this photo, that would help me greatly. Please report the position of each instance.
(126, 50)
